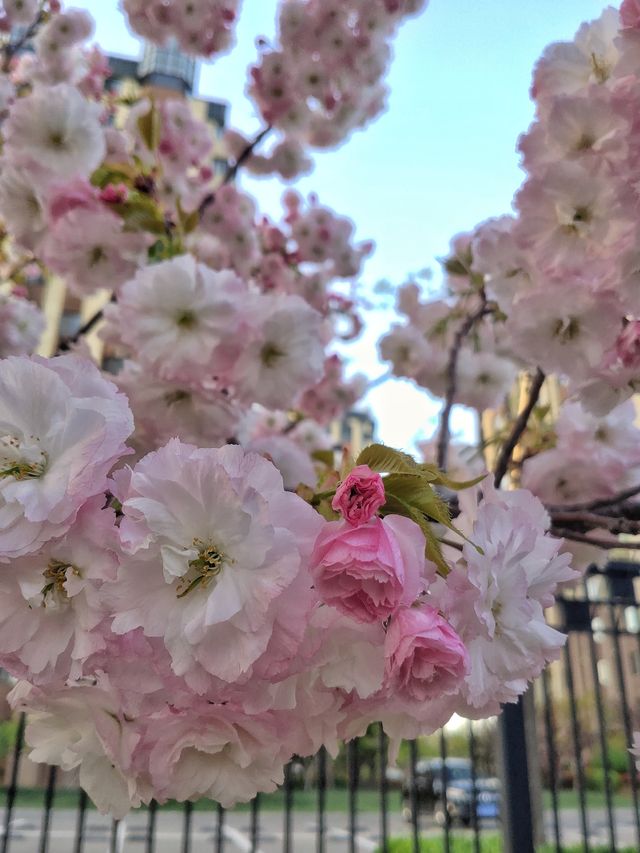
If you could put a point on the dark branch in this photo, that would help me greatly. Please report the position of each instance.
(10, 49)
(66, 344)
(586, 521)
(452, 378)
(519, 427)
(601, 503)
(606, 544)
(232, 170)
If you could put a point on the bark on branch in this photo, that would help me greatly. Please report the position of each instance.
(506, 454)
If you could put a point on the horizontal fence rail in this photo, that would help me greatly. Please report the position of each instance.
(443, 796)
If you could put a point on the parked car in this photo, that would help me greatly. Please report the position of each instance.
(460, 787)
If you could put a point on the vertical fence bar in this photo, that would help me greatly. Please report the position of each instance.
(220, 830)
(255, 822)
(551, 758)
(48, 804)
(187, 815)
(150, 840)
(352, 771)
(13, 783)
(80, 822)
(445, 802)
(474, 788)
(626, 718)
(113, 837)
(288, 810)
(604, 751)
(413, 791)
(517, 812)
(577, 744)
(383, 790)
(321, 760)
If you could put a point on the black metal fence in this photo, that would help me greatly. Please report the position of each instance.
(579, 721)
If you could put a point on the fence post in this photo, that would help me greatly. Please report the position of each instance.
(517, 814)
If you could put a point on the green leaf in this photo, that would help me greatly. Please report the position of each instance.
(387, 460)
(115, 174)
(396, 506)
(438, 478)
(188, 221)
(149, 128)
(141, 213)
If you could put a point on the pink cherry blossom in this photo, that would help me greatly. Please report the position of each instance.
(63, 428)
(368, 572)
(51, 604)
(211, 547)
(178, 317)
(425, 658)
(56, 128)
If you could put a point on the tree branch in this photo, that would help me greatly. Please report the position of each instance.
(606, 544)
(519, 427)
(601, 503)
(66, 344)
(452, 378)
(10, 49)
(586, 521)
(232, 171)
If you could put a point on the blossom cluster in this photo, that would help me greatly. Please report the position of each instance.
(187, 634)
(201, 27)
(219, 308)
(191, 591)
(560, 275)
(324, 79)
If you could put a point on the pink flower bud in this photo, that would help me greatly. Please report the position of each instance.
(359, 496)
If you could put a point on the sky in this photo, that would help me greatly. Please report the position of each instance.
(439, 161)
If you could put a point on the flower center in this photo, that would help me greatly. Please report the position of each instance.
(600, 67)
(204, 568)
(270, 354)
(53, 592)
(56, 140)
(21, 460)
(566, 329)
(186, 319)
(172, 397)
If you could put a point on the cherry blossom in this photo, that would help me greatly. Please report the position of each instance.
(57, 129)
(63, 428)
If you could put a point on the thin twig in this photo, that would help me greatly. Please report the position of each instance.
(452, 378)
(519, 427)
(232, 171)
(606, 544)
(66, 344)
(620, 497)
(10, 49)
(586, 521)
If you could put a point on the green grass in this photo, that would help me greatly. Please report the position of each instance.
(488, 844)
(594, 799)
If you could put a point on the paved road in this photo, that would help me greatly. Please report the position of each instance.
(25, 831)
